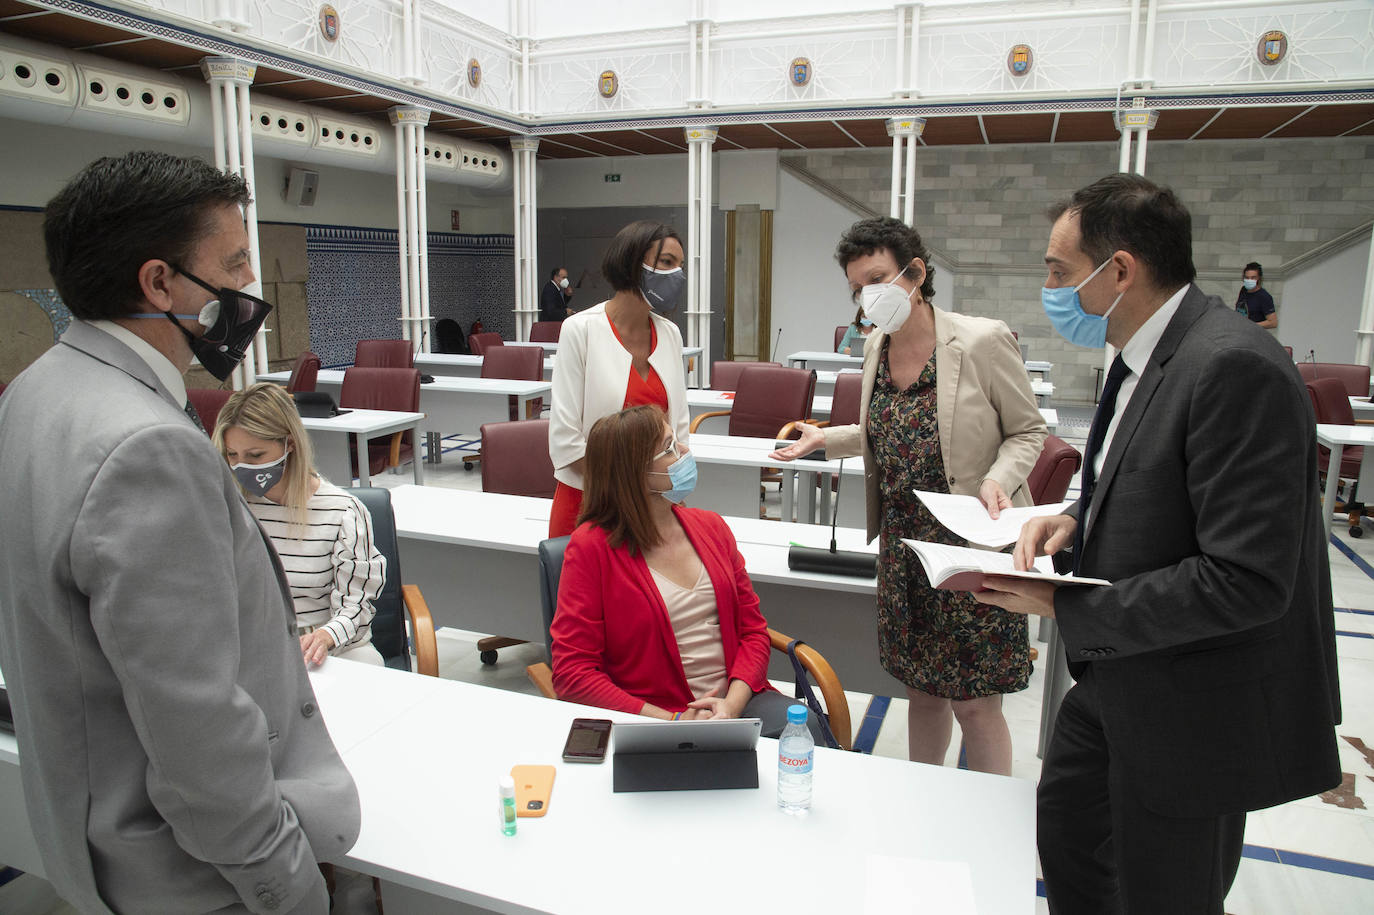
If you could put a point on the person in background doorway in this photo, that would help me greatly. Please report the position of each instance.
(1254, 302)
(322, 533)
(946, 406)
(554, 297)
(852, 343)
(619, 353)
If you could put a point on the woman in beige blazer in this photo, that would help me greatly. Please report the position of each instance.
(946, 406)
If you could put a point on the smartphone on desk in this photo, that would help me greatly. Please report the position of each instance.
(587, 740)
(533, 785)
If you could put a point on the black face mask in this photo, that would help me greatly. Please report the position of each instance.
(229, 333)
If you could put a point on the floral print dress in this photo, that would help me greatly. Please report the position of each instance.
(939, 642)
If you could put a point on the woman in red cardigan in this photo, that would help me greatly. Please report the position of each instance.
(656, 614)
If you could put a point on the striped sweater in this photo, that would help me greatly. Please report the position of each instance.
(334, 569)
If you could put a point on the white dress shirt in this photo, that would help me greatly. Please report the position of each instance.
(162, 366)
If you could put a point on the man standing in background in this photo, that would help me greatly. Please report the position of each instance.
(553, 299)
(1254, 302)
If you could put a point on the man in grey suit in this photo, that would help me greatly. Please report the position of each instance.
(173, 757)
(1206, 674)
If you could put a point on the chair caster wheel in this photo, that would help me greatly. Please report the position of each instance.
(487, 657)
(1356, 531)
(467, 466)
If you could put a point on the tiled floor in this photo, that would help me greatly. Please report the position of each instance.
(1314, 855)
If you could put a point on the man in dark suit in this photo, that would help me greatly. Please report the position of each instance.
(553, 298)
(1206, 674)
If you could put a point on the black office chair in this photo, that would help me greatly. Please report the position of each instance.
(541, 674)
(397, 601)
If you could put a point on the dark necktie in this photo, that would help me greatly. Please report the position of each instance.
(195, 417)
(1106, 409)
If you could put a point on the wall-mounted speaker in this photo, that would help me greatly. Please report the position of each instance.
(301, 187)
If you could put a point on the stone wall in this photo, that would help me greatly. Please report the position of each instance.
(982, 208)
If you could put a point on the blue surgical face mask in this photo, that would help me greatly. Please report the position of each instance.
(682, 473)
(1249, 284)
(1065, 311)
(864, 322)
(257, 479)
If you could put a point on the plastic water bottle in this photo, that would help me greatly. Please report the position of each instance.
(796, 749)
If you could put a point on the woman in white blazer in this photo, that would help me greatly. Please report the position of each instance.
(618, 354)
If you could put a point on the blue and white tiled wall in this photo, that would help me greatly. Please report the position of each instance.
(354, 285)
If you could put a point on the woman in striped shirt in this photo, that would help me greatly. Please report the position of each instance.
(322, 533)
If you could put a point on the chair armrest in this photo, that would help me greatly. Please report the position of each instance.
(421, 630)
(394, 460)
(697, 422)
(1364, 422)
(791, 427)
(836, 704)
(541, 675)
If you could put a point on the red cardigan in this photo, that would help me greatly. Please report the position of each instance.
(613, 645)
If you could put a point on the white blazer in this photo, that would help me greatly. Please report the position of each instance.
(589, 378)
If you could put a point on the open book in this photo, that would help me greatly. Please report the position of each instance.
(967, 517)
(961, 568)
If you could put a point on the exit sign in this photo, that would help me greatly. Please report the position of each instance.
(613, 178)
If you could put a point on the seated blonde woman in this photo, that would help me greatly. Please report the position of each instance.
(656, 614)
(322, 534)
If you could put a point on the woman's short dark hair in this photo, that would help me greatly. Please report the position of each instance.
(625, 255)
(119, 213)
(1125, 212)
(886, 233)
(620, 448)
(1255, 266)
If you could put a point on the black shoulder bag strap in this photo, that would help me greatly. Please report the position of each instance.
(804, 693)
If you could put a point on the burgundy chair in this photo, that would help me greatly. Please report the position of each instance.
(371, 388)
(1332, 405)
(545, 331)
(516, 363)
(766, 399)
(304, 373)
(517, 464)
(1054, 469)
(478, 344)
(384, 354)
(725, 375)
(1355, 378)
(208, 402)
(844, 405)
(840, 331)
(1288, 349)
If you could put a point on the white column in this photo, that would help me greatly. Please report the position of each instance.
(1137, 120)
(698, 265)
(1364, 337)
(904, 132)
(526, 306)
(412, 239)
(232, 135)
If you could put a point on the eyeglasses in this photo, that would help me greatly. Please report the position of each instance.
(670, 450)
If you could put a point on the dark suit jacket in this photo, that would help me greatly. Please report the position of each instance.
(553, 305)
(1214, 650)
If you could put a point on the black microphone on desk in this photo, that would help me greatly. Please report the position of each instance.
(833, 561)
(776, 341)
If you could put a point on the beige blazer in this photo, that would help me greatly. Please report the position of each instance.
(989, 424)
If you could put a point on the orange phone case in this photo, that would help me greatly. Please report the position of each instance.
(533, 784)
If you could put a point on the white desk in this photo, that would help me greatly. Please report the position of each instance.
(1039, 367)
(331, 437)
(447, 847)
(451, 404)
(1362, 407)
(462, 365)
(473, 555)
(1336, 438)
(728, 469)
(820, 360)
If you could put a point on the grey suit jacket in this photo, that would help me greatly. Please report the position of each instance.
(1214, 650)
(173, 758)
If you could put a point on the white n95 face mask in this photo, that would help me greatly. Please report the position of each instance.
(887, 305)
